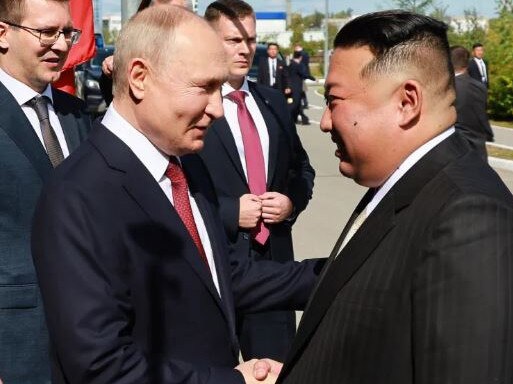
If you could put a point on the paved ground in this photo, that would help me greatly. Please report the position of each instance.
(334, 195)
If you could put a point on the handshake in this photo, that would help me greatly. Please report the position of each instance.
(259, 371)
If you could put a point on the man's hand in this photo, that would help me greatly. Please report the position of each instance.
(275, 207)
(250, 211)
(107, 65)
(264, 371)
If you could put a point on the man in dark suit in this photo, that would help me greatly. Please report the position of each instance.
(305, 62)
(419, 288)
(257, 217)
(297, 76)
(471, 97)
(135, 274)
(272, 71)
(35, 38)
(477, 66)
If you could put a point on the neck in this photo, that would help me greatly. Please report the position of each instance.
(236, 82)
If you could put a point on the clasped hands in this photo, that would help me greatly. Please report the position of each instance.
(271, 207)
(263, 371)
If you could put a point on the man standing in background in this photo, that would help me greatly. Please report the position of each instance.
(39, 127)
(477, 66)
(272, 71)
(261, 173)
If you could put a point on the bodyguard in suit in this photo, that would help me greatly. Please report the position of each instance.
(39, 127)
(132, 258)
(477, 66)
(419, 288)
(471, 98)
(272, 71)
(260, 171)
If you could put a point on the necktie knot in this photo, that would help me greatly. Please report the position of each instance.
(237, 97)
(40, 106)
(174, 171)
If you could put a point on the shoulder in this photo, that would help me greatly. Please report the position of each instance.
(66, 102)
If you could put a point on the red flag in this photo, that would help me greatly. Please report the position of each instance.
(85, 49)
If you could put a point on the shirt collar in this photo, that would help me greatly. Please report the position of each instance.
(21, 91)
(226, 88)
(409, 162)
(153, 159)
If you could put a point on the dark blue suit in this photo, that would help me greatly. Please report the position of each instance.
(24, 166)
(127, 297)
(289, 173)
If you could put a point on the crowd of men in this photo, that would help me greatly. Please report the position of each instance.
(154, 244)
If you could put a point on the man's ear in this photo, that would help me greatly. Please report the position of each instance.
(411, 99)
(138, 77)
(4, 44)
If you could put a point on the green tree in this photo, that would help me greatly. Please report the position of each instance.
(499, 53)
(504, 6)
(314, 20)
(343, 14)
(468, 31)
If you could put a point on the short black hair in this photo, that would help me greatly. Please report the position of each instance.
(476, 45)
(272, 44)
(400, 39)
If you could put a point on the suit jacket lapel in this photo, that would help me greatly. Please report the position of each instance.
(16, 125)
(273, 129)
(139, 183)
(372, 232)
(218, 250)
(68, 120)
(223, 131)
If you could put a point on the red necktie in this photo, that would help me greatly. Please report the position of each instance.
(254, 156)
(182, 203)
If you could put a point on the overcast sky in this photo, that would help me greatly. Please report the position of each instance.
(455, 7)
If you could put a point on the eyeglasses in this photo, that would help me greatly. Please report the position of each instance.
(48, 37)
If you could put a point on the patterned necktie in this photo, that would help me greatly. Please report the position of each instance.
(182, 203)
(254, 156)
(54, 150)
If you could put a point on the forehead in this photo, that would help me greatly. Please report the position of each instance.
(245, 27)
(346, 65)
(191, 39)
(47, 13)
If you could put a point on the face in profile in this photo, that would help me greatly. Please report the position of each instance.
(183, 97)
(27, 59)
(239, 42)
(359, 117)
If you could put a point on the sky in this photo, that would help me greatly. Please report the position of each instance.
(455, 7)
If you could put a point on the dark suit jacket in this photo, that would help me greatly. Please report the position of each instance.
(24, 166)
(422, 294)
(471, 99)
(127, 297)
(473, 71)
(289, 172)
(264, 77)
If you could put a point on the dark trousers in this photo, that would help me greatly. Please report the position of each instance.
(266, 334)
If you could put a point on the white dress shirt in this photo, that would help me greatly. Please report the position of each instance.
(230, 113)
(156, 163)
(23, 93)
(482, 69)
(272, 63)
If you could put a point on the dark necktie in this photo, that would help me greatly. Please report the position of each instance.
(254, 156)
(182, 203)
(40, 105)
